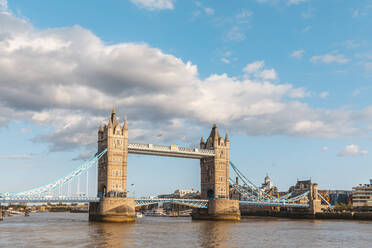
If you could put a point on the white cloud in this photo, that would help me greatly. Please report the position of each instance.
(154, 4)
(294, 2)
(269, 74)
(330, 58)
(297, 54)
(325, 148)
(299, 93)
(209, 11)
(84, 156)
(225, 60)
(70, 79)
(368, 66)
(352, 150)
(356, 92)
(3, 5)
(244, 16)
(26, 130)
(254, 67)
(289, 2)
(256, 70)
(306, 29)
(324, 94)
(235, 34)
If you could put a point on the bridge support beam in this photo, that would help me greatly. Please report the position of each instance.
(113, 209)
(219, 210)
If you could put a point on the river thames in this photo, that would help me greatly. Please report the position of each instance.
(74, 230)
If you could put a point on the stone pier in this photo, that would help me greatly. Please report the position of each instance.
(113, 210)
(219, 210)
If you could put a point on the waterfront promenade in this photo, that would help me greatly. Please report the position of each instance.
(74, 230)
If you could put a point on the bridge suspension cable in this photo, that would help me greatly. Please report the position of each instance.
(250, 184)
(63, 180)
(255, 195)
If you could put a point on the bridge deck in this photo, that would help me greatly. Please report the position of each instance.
(48, 199)
(169, 151)
(197, 203)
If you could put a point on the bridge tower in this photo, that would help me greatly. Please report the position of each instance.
(215, 180)
(112, 167)
(215, 170)
(114, 205)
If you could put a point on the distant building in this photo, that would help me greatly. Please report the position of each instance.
(362, 197)
(340, 197)
(182, 193)
(268, 186)
(301, 187)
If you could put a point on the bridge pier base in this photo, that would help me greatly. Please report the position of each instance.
(113, 209)
(218, 210)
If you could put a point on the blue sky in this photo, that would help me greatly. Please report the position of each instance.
(290, 80)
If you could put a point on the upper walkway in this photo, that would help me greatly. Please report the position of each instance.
(169, 151)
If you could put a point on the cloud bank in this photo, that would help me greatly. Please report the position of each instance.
(69, 79)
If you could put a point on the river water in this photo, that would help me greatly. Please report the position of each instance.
(74, 230)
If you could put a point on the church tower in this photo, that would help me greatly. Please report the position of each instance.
(112, 167)
(215, 170)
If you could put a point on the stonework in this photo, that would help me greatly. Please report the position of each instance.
(114, 206)
(113, 209)
(215, 171)
(219, 210)
(112, 167)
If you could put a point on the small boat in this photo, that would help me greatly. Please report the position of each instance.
(159, 212)
(139, 215)
(15, 213)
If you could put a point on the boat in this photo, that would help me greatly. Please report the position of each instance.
(139, 215)
(159, 212)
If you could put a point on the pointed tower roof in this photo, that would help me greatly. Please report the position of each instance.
(125, 125)
(227, 138)
(202, 140)
(113, 119)
(100, 127)
(214, 133)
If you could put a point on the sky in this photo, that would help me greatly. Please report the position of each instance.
(289, 80)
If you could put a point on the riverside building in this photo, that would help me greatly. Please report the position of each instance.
(362, 197)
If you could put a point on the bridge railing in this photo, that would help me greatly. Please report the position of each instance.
(172, 148)
(48, 199)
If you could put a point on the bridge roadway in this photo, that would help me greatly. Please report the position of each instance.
(169, 151)
(196, 203)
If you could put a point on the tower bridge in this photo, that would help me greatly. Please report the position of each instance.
(112, 203)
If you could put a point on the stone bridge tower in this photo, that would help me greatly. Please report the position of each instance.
(112, 167)
(215, 181)
(114, 205)
(215, 170)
